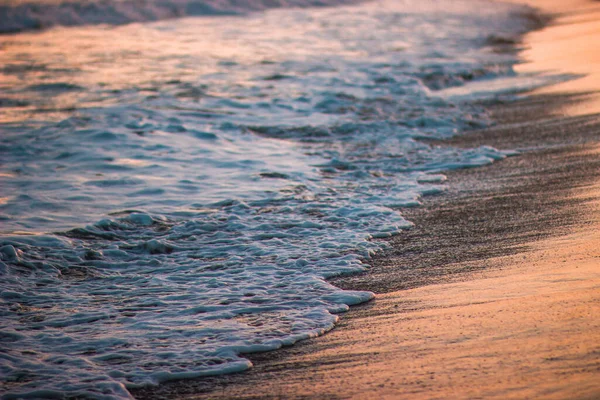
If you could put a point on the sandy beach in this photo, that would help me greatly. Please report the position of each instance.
(496, 292)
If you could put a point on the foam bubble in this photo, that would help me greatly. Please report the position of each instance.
(202, 179)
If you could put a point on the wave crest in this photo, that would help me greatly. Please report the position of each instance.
(20, 16)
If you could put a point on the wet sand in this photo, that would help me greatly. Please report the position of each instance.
(496, 292)
(571, 45)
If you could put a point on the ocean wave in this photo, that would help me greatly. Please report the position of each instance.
(17, 16)
(176, 194)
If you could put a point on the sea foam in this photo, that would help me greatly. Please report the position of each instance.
(176, 193)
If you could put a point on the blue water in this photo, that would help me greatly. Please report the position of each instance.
(175, 193)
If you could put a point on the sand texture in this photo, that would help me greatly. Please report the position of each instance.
(496, 292)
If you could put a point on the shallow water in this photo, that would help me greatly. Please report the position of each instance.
(175, 193)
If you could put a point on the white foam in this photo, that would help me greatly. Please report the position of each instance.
(204, 177)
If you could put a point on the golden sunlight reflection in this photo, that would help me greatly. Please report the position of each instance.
(58, 73)
(193, 184)
(570, 45)
(131, 162)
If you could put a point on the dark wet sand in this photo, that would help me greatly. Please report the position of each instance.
(525, 228)
(494, 294)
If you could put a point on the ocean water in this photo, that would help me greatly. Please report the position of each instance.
(175, 193)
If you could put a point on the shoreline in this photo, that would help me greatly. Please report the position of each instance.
(454, 227)
(506, 245)
(465, 278)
